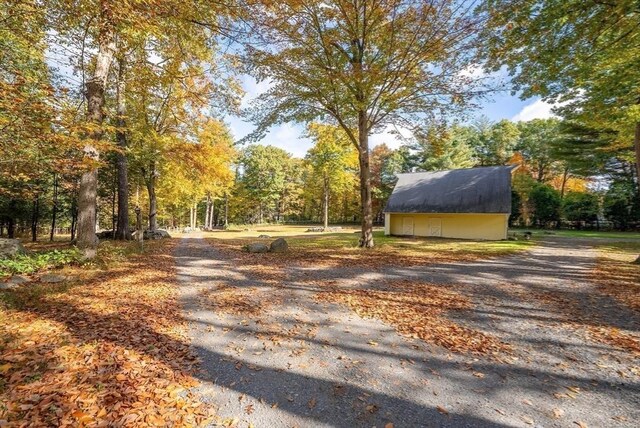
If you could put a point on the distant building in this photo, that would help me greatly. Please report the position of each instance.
(473, 203)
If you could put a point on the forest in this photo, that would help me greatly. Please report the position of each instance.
(105, 109)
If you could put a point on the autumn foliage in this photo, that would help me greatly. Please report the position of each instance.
(107, 350)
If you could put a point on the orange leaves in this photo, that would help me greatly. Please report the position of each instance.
(108, 352)
(418, 310)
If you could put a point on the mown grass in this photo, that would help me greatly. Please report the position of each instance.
(582, 233)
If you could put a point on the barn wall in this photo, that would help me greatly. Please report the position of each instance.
(462, 226)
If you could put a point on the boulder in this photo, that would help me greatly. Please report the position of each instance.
(156, 234)
(10, 247)
(264, 237)
(52, 278)
(257, 247)
(13, 282)
(279, 246)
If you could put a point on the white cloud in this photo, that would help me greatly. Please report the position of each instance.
(536, 110)
(392, 136)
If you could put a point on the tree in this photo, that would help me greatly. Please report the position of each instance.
(363, 64)
(583, 53)
(264, 174)
(546, 204)
(581, 207)
(494, 143)
(385, 164)
(445, 148)
(535, 143)
(333, 160)
(620, 205)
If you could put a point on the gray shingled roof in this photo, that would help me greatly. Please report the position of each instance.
(473, 190)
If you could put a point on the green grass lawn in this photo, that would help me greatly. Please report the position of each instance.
(581, 233)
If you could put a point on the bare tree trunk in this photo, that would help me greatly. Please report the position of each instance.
(326, 202)
(54, 209)
(74, 220)
(122, 228)
(366, 239)
(151, 189)
(207, 212)
(212, 220)
(11, 228)
(565, 177)
(226, 210)
(35, 215)
(95, 89)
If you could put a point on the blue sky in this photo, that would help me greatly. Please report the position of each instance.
(503, 105)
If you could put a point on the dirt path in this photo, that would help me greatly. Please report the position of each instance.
(291, 361)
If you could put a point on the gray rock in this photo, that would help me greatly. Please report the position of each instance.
(264, 236)
(257, 247)
(52, 278)
(13, 282)
(10, 247)
(147, 234)
(279, 246)
(18, 279)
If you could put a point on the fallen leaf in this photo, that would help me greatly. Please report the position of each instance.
(442, 410)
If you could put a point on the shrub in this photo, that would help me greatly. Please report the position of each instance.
(30, 263)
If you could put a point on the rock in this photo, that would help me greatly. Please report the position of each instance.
(18, 279)
(13, 282)
(264, 237)
(156, 234)
(52, 278)
(257, 247)
(512, 238)
(10, 247)
(279, 246)
(325, 229)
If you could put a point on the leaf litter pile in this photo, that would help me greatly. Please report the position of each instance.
(107, 350)
(419, 310)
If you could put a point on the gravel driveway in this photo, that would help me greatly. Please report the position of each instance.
(295, 362)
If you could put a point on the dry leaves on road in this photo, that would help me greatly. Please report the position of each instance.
(418, 310)
(107, 351)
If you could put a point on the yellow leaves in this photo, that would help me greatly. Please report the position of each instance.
(108, 352)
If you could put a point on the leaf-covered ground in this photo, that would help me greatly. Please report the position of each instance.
(105, 349)
(524, 339)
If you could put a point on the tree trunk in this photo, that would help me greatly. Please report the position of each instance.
(35, 214)
(366, 239)
(94, 92)
(565, 177)
(207, 212)
(54, 209)
(226, 210)
(151, 189)
(11, 228)
(122, 227)
(326, 202)
(74, 220)
(212, 218)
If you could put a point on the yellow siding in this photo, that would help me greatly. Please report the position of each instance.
(462, 226)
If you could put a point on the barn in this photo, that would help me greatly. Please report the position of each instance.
(472, 203)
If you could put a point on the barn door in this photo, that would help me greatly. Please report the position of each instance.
(435, 227)
(407, 226)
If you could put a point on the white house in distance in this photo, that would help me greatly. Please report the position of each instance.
(473, 203)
